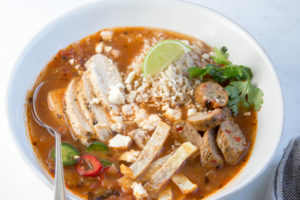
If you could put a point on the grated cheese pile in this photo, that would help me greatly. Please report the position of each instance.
(171, 86)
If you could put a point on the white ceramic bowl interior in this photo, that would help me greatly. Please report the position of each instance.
(184, 17)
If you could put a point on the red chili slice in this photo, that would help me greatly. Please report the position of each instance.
(237, 139)
(88, 166)
(180, 128)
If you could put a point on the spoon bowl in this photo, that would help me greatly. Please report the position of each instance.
(39, 111)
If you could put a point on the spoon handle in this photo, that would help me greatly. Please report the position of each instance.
(59, 172)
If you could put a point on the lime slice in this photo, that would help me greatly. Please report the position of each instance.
(162, 54)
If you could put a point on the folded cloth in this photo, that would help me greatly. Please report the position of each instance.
(286, 181)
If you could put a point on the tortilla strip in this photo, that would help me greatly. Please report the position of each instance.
(166, 193)
(183, 183)
(152, 148)
(154, 166)
(167, 170)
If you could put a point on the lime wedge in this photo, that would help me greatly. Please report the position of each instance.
(162, 54)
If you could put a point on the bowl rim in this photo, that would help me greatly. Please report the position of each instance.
(44, 176)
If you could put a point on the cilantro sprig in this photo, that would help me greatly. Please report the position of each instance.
(240, 89)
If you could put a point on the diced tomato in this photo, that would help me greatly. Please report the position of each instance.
(180, 128)
(237, 139)
(88, 165)
(227, 131)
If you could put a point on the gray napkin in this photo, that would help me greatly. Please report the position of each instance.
(286, 181)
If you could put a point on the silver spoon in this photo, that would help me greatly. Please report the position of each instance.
(59, 190)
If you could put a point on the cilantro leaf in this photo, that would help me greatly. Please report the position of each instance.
(240, 90)
(221, 56)
(238, 72)
(221, 74)
(255, 97)
(195, 71)
(245, 94)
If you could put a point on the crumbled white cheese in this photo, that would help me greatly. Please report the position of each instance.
(115, 53)
(205, 56)
(115, 95)
(127, 109)
(141, 115)
(171, 86)
(95, 101)
(129, 156)
(116, 127)
(99, 47)
(139, 191)
(150, 123)
(119, 142)
(131, 76)
(106, 35)
(77, 67)
(107, 49)
(173, 114)
(131, 97)
(191, 111)
(117, 118)
(71, 61)
(165, 107)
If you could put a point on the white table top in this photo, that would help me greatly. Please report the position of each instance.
(275, 24)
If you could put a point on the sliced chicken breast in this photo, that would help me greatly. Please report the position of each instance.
(81, 128)
(54, 100)
(106, 81)
(94, 113)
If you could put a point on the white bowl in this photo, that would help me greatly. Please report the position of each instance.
(184, 17)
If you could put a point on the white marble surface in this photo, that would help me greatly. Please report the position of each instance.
(274, 23)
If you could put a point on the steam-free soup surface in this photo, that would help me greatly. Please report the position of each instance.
(125, 44)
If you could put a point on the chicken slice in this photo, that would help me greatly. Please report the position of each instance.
(81, 129)
(94, 113)
(106, 81)
(54, 100)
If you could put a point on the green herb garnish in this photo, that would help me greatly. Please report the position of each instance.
(240, 89)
